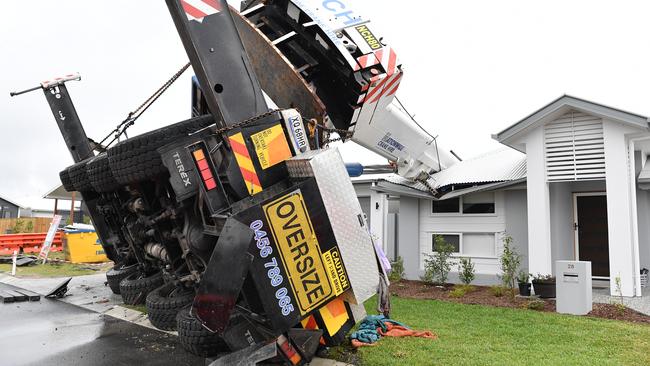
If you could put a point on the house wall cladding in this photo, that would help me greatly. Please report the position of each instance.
(486, 227)
(8, 210)
(574, 148)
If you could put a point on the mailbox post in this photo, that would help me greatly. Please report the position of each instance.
(573, 287)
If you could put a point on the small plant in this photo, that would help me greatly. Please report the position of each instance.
(620, 306)
(497, 291)
(509, 262)
(540, 278)
(437, 265)
(23, 226)
(523, 277)
(544, 285)
(466, 271)
(536, 305)
(397, 271)
(458, 291)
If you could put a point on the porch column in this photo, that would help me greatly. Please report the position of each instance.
(379, 217)
(409, 235)
(539, 217)
(621, 218)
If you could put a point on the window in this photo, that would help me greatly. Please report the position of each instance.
(451, 205)
(469, 244)
(479, 203)
(479, 244)
(453, 239)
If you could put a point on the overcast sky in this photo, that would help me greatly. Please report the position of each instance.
(472, 68)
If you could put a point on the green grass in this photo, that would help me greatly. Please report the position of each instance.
(54, 269)
(482, 335)
(140, 308)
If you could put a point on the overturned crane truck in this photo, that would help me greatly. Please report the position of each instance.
(240, 227)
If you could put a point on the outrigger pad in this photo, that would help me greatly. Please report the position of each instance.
(224, 276)
(60, 290)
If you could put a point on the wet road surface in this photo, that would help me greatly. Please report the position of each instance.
(51, 332)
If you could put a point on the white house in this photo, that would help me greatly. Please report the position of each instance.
(570, 183)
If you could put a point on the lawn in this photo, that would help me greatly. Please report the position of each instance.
(484, 335)
(55, 268)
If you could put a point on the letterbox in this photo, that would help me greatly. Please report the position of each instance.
(573, 287)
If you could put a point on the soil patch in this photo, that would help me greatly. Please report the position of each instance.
(483, 295)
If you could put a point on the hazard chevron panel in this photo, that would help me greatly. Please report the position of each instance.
(245, 163)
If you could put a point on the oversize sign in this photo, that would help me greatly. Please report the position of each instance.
(297, 267)
(299, 250)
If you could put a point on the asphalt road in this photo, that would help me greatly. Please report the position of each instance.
(51, 332)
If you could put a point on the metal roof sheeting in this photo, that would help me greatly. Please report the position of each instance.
(500, 165)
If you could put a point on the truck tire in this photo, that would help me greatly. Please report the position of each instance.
(164, 303)
(135, 287)
(79, 177)
(195, 339)
(119, 272)
(100, 175)
(137, 159)
(65, 180)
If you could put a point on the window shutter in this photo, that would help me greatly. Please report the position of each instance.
(575, 148)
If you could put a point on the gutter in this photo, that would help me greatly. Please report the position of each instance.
(636, 280)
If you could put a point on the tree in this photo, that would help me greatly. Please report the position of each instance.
(437, 265)
(509, 261)
(466, 271)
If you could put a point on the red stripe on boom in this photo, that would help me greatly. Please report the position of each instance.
(387, 88)
(213, 3)
(376, 89)
(392, 60)
(189, 9)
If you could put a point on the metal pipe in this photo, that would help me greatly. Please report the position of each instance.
(157, 250)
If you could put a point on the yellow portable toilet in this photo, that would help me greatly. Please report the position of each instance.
(83, 246)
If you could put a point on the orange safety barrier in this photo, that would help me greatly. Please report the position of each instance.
(29, 243)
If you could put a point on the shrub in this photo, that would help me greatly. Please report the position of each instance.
(437, 265)
(397, 271)
(523, 277)
(458, 291)
(620, 306)
(497, 291)
(536, 305)
(509, 261)
(23, 226)
(466, 271)
(540, 278)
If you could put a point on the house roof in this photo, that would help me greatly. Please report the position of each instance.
(12, 202)
(490, 169)
(503, 164)
(562, 105)
(60, 193)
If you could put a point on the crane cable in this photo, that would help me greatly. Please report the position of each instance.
(135, 114)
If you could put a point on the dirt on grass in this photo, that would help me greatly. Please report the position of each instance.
(483, 295)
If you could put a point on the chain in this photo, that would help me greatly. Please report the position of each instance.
(343, 134)
(245, 122)
(135, 114)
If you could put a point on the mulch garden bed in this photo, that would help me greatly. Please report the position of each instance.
(482, 295)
